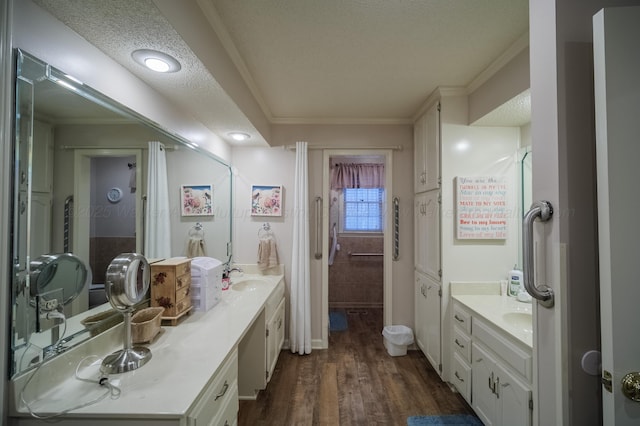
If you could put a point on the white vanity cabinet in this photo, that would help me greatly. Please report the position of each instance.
(492, 369)
(260, 346)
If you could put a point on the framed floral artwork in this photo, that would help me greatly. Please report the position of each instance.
(266, 200)
(197, 200)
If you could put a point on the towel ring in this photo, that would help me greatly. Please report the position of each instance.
(265, 231)
(197, 230)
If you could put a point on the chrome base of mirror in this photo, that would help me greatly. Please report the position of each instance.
(125, 360)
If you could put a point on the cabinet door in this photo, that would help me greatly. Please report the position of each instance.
(427, 237)
(432, 316)
(275, 338)
(426, 142)
(432, 148)
(513, 399)
(427, 318)
(42, 157)
(41, 211)
(482, 379)
(420, 306)
(419, 154)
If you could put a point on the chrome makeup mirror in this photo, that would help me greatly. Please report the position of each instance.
(127, 284)
(73, 146)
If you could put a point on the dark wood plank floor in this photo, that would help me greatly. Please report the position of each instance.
(354, 382)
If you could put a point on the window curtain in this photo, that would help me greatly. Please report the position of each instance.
(300, 301)
(157, 233)
(357, 175)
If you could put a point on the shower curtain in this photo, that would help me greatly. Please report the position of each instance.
(300, 318)
(157, 234)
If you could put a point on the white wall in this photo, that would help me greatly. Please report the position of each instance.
(489, 151)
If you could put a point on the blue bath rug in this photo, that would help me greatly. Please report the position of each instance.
(450, 420)
(337, 321)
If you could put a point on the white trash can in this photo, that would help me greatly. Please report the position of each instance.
(397, 338)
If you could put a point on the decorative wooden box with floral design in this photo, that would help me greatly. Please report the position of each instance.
(170, 287)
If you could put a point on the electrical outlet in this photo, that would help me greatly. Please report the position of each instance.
(49, 305)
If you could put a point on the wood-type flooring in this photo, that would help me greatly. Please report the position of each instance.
(354, 382)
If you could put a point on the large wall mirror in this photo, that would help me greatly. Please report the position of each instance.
(80, 187)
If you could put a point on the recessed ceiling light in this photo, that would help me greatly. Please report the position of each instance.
(239, 136)
(156, 61)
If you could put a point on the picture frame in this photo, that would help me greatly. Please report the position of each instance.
(266, 200)
(196, 200)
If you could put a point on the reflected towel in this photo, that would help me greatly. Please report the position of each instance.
(267, 254)
(196, 247)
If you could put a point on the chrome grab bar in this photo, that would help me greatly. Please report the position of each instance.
(318, 254)
(396, 228)
(539, 210)
(67, 218)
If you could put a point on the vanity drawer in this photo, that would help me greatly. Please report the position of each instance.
(462, 318)
(183, 292)
(461, 377)
(462, 343)
(183, 281)
(220, 397)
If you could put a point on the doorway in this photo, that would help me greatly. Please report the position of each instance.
(108, 210)
(361, 260)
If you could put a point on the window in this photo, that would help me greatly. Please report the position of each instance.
(363, 209)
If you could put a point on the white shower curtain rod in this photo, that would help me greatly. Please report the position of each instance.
(393, 147)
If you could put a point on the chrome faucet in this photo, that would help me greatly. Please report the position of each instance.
(228, 270)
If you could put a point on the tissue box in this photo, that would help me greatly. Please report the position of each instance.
(206, 282)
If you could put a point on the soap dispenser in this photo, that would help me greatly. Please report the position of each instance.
(515, 282)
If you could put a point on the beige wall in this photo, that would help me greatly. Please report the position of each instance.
(276, 166)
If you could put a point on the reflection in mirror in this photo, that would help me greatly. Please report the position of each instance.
(80, 182)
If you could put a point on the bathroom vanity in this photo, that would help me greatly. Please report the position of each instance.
(198, 371)
(492, 353)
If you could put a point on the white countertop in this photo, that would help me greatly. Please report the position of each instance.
(492, 308)
(184, 358)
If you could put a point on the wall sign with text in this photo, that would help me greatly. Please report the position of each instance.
(481, 207)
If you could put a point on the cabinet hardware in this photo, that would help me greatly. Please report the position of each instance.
(458, 343)
(458, 318)
(607, 381)
(224, 390)
(458, 377)
(496, 387)
(490, 379)
(267, 332)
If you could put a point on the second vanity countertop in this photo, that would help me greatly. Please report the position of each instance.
(184, 359)
(485, 301)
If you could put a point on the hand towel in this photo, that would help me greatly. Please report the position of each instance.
(267, 254)
(196, 247)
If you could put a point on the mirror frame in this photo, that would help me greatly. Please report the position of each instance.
(29, 70)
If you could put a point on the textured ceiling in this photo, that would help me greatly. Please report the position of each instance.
(366, 59)
(308, 61)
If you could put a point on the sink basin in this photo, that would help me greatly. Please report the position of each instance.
(521, 320)
(247, 285)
